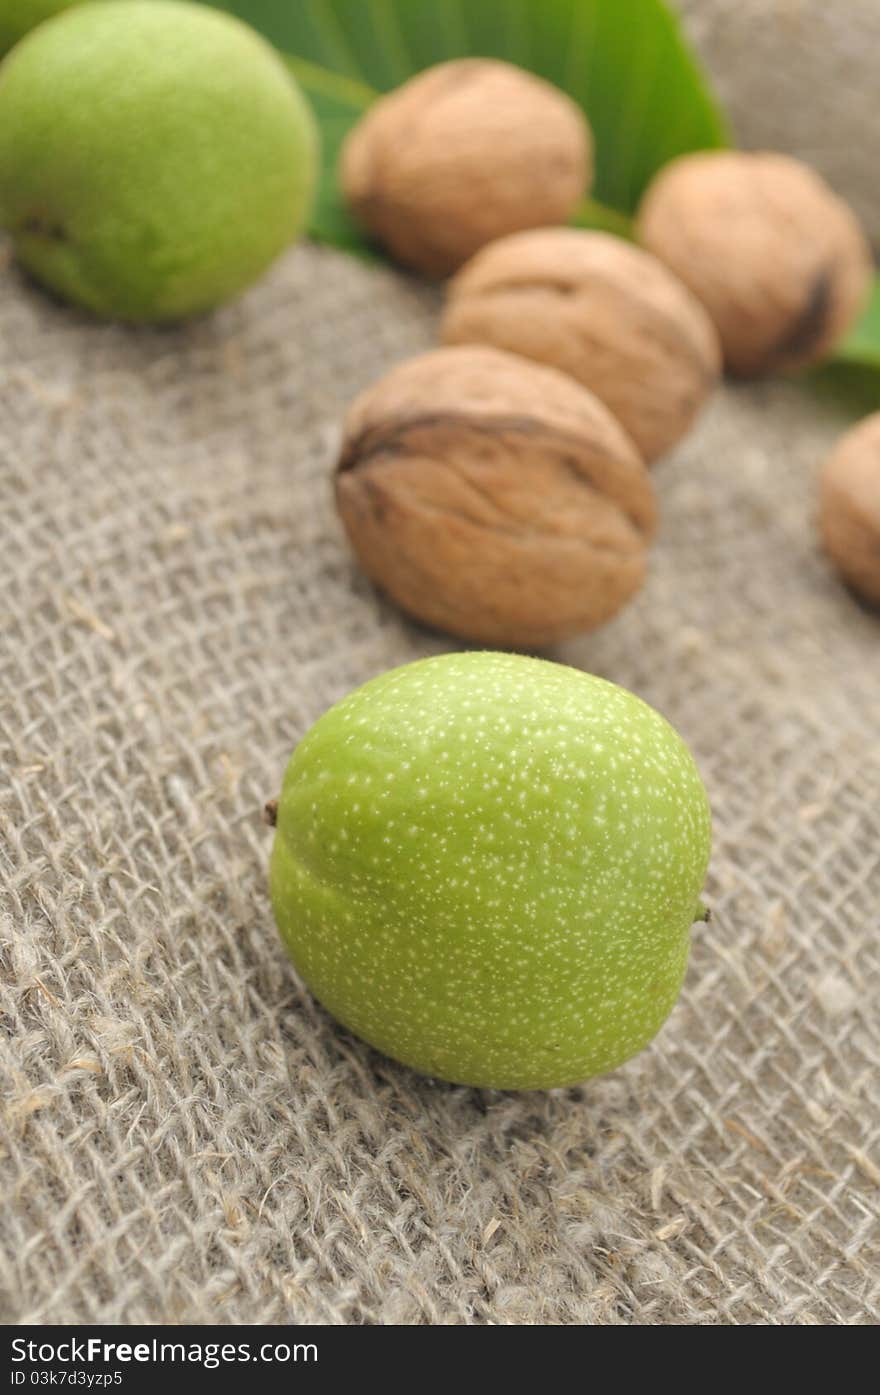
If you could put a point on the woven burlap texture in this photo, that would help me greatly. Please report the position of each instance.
(186, 1136)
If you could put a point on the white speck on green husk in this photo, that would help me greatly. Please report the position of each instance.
(488, 866)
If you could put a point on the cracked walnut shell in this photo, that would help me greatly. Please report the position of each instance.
(494, 498)
(604, 312)
(779, 261)
(849, 507)
(463, 153)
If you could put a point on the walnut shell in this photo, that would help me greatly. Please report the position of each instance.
(494, 498)
(463, 153)
(849, 507)
(601, 310)
(780, 263)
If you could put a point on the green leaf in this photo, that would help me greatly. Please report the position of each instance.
(862, 344)
(624, 61)
(849, 384)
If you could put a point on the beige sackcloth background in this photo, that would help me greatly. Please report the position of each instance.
(184, 1135)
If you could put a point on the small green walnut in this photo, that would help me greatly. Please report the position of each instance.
(600, 310)
(462, 153)
(155, 156)
(779, 261)
(18, 17)
(488, 867)
(494, 498)
(849, 507)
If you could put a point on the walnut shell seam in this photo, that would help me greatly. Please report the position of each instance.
(384, 440)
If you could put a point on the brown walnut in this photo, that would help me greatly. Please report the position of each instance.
(494, 498)
(601, 310)
(849, 507)
(779, 261)
(463, 153)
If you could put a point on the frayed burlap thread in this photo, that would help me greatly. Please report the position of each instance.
(184, 1135)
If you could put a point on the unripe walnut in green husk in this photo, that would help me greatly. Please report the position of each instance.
(156, 156)
(488, 867)
(18, 17)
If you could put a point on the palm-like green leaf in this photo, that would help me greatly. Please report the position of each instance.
(624, 61)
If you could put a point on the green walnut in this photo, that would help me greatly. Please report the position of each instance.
(487, 866)
(18, 17)
(155, 156)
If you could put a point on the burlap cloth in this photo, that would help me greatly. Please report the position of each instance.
(184, 1135)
